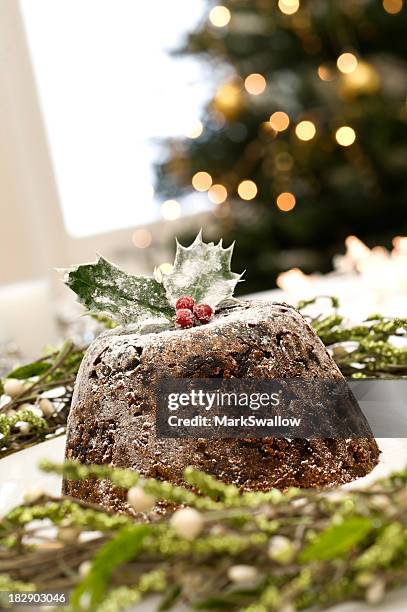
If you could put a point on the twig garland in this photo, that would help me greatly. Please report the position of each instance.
(366, 350)
(256, 551)
(22, 422)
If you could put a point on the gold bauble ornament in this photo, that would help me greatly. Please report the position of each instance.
(364, 80)
(228, 99)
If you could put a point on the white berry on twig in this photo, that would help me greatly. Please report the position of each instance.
(187, 523)
(13, 387)
(139, 500)
(46, 406)
(242, 574)
(281, 549)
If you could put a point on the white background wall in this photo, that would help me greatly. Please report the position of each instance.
(30, 219)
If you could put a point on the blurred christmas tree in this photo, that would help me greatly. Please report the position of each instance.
(304, 140)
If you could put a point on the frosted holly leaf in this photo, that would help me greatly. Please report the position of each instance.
(201, 270)
(102, 287)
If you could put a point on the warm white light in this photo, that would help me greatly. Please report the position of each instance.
(255, 84)
(219, 16)
(170, 210)
(227, 98)
(392, 6)
(247, 190)
(305, 130)
(288, 7)
(201, 181)
(294, 281)
(217, 194)
(286, 201)
(347, 63)
(279, 121)
(356, 250)
(400, 244)
(142, 238)
(345, 136)
(364, 79)
(196, 130)
(377, 276)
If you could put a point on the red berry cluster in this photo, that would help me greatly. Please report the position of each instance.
(188, 313)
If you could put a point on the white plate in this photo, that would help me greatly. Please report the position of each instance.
(19, 472)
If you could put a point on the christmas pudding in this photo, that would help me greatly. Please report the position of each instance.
(186, 325)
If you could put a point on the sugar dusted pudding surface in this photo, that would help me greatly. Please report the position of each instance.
(112, 418)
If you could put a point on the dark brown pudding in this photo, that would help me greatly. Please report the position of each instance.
(112, 419)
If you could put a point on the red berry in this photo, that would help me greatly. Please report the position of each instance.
(184, 318)
(185, 301)
(203, 313)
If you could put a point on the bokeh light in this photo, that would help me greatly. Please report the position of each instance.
(286, 201)
(247, 190)
(196, 130)
(345, 136)
(325, 73)
(170, 210)
(288, 7)
(217, 194)
(279, 121)
(227, 99)
(255, 84)
(305, 130)
(347, 63)
(142, 238)
(392, 6)
(219, 16)
(201, 181)
(364, 79)
(400, 244)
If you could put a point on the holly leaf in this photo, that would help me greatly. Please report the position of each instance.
(201, 270)
(102, 287)
(337, 540)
